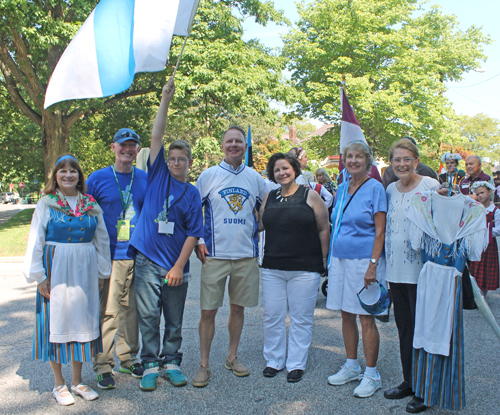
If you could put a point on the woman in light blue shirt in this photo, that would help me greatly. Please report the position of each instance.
(355, 261)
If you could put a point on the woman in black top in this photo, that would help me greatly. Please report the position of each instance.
(297, 238)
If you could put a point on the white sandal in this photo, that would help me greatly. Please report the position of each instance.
(62, 395)
(85, 392)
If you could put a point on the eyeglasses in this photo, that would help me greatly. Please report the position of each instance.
(126, 134)
(180, 160)
(406, 160)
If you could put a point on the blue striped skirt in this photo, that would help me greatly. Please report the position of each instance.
(439, 380)
(57, 352)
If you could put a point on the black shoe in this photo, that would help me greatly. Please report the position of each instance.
(105, 381)
(270, 372)
(399, 392)
(295, 375)
(416, 405)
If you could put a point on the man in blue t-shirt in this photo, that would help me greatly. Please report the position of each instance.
(119, 189)
(167, 231)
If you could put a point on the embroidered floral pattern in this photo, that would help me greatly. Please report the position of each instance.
(84, 204)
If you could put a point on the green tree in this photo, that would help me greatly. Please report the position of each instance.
(221, 75)
(481, 136)
(395, 62)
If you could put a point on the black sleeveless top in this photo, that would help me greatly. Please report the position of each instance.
(292, 238)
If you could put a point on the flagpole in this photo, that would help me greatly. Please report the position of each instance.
(180, 55)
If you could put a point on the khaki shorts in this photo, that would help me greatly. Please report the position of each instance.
(243, 284)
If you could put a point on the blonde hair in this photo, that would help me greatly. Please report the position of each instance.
(405, 144)
(360, 147)
(325, 174)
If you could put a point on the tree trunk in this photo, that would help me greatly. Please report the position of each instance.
(55, 138)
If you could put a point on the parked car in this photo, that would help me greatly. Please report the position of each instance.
(8, 197)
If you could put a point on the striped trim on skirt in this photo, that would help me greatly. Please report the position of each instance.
(439, 380)
(57, 352)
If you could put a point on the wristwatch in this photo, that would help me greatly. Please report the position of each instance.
(373, 261)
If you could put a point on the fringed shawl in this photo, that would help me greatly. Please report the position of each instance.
(471, 234)
(86, 204)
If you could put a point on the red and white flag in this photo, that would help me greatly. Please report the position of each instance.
(351, 131)
(442, 169)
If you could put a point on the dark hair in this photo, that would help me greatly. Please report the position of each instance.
(282, 156)
(235, 127)
(51, 185)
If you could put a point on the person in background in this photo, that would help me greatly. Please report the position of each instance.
(68, 256)
(119, 189)
(300, 154)
(475, 174)
(486, 271)
(169, 226)
(422, 170)
(319, 188)
(496, 181)
(453, 176)
(323, 177)
(291, 270)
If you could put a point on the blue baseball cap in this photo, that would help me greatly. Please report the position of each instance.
(125, 134)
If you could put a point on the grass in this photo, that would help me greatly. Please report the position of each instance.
(14, 234)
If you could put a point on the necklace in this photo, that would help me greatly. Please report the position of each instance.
(282, 198)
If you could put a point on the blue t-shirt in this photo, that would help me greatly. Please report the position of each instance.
(184, 211)
(102, 185)
(357, 232)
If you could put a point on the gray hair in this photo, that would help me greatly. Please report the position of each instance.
(308, 175)
(325, 174)
(361, 147)
(476, 157)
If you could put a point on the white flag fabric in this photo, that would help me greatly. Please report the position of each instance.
(119, 39)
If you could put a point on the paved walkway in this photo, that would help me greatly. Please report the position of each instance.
(9, 210)
(25, 384)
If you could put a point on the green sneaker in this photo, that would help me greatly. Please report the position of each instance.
(105, 381)
(150, 376)
(136, 370)
(173, 373)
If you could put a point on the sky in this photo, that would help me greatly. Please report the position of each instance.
(476, 93)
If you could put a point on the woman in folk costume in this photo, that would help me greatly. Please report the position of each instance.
(453, 176)
(68, 256)
(447, 231)
(486, 271)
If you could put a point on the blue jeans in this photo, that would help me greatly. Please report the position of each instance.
(152, 298)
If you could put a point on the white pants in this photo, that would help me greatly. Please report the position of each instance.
(294, 292)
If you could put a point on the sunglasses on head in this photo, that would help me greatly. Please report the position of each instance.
(126, 134)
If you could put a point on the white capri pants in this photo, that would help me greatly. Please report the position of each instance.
(294, 292)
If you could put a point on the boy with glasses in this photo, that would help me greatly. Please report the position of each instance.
(167, 231)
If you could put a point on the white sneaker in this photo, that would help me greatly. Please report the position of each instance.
(367, 387)
(63, 396)
(85, 392)
(345, 375)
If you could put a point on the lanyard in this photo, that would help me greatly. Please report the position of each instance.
(168, 195)
(124, 204)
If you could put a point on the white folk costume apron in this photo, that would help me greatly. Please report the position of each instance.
(438, 359)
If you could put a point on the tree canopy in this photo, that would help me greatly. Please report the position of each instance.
(395, 58)
(220, 77)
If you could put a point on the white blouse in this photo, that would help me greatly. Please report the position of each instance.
(496, 228)
(403, 264)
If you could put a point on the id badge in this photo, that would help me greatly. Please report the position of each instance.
(166, 227)
(123, 227)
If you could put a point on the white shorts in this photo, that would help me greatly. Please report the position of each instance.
(345, 279)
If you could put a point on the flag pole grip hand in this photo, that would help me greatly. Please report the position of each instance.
(169, 89)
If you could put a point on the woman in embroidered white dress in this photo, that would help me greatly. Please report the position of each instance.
(68, 256)
(403, 264)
